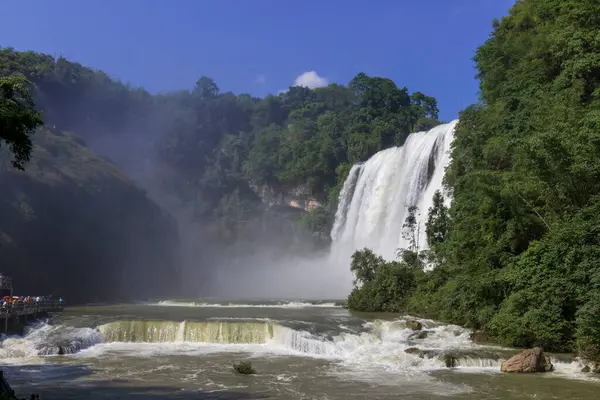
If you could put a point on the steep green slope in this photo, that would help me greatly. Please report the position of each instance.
(74, 225)
(526, 180)
(521, 257)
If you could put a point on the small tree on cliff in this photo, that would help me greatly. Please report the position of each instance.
(412, 229)
(411, 232)
(437, 226)
(18, 118)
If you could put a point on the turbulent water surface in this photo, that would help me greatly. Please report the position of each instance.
(301, 350)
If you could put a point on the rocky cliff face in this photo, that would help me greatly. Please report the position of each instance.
(74, 225)
(297, 197)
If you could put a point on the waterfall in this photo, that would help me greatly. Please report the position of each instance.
(374, 199)
(187, 331)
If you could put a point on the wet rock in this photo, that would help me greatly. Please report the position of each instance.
(450, 360)
(422, 335)
(419, 335)
(528, 361)
(415, 351)
(594, 368)
(548, 364)
(414, 325)
(479, 337)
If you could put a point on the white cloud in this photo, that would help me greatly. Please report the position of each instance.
(311, 80)
(261, 79)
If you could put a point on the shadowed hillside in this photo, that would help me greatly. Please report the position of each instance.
(74, 225)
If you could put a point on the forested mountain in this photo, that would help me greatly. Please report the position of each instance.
(211, 156)
(518, 252)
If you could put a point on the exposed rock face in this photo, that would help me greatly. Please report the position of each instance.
(532, 360)
(72, 224)
(298, 197)
(414, 325)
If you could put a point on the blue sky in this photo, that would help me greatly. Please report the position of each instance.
(262, 46)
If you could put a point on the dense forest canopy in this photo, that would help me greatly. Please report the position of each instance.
(210, 147)
(517, 252)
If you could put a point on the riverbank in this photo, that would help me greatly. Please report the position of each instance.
(406, 285)
(482, 338)
(488, 347)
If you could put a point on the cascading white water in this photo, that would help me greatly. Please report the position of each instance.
(391, 345)
(381, 340)
(44, 340)
(374, 199)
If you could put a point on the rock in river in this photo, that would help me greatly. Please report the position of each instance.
(532, 360)
(414, 325)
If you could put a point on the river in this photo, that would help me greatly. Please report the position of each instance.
(301, 350)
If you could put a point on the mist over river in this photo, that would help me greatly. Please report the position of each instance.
(300, 349)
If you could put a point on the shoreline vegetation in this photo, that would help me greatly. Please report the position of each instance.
(516, 254)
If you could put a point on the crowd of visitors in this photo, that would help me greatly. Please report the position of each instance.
(19, 302)
(9, 303)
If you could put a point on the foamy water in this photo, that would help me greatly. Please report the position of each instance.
(298, 351)
(380, 347)
(291, 304)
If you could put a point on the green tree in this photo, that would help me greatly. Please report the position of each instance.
(516, 252)
(438, 225)
(380, 285)
(412, 229)
(524, 181)
(18, 118)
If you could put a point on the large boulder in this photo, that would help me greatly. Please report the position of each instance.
(532, 360)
